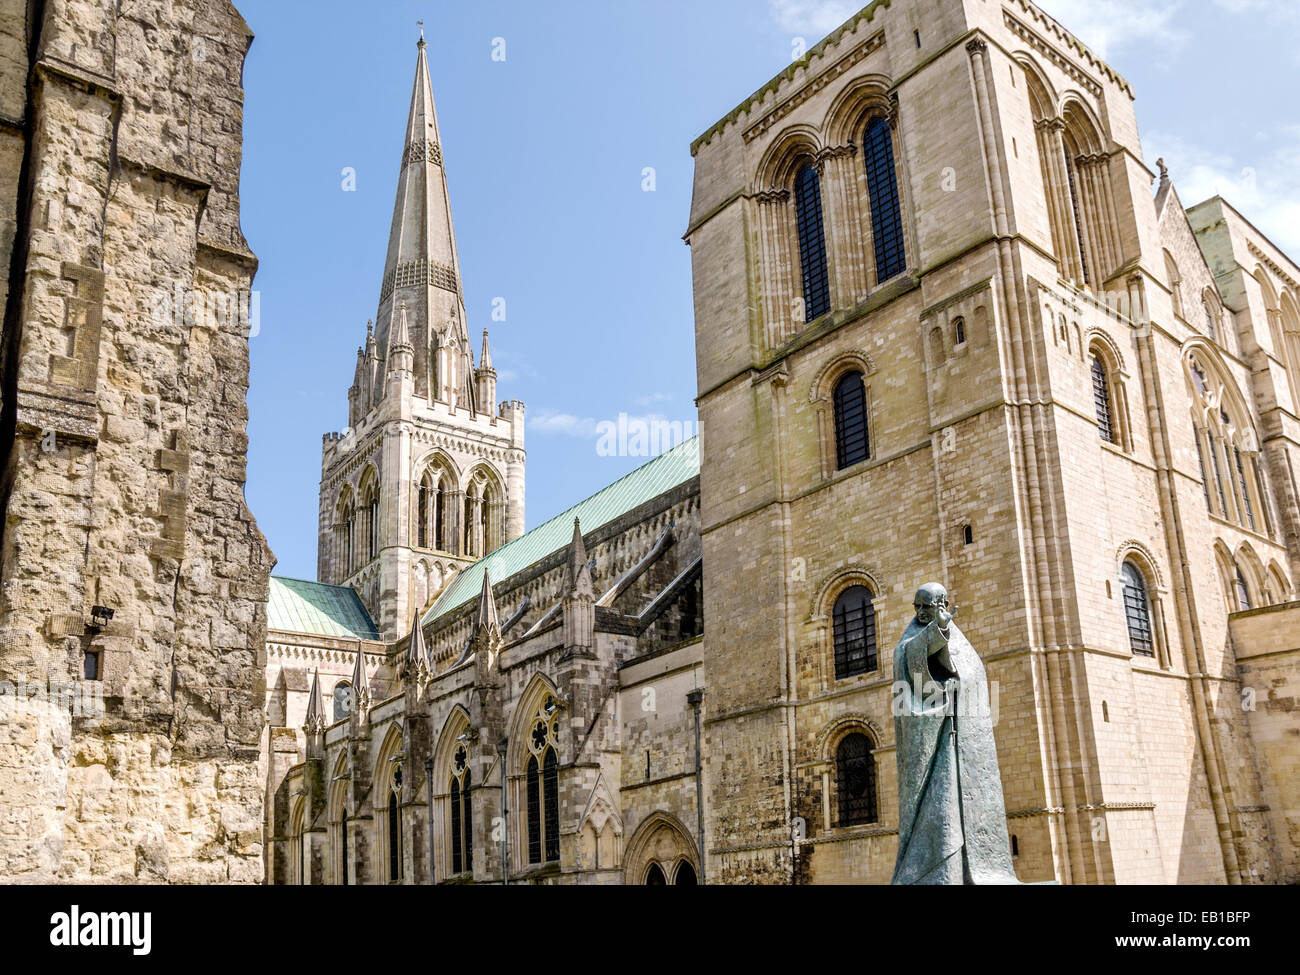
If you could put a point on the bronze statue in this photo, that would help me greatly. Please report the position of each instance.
(952, 822)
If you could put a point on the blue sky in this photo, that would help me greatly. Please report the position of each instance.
(546, 153)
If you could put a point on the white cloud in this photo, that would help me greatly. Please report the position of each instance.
(814, 18)
(565, 424)
(653, 398)
(1107, 26)
(1266, 190)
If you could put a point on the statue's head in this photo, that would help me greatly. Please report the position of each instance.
(929, 598)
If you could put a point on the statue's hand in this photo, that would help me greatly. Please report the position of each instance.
(942, 618)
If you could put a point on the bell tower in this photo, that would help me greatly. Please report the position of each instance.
(428, 476)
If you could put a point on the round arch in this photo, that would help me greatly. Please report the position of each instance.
(796, 144)
(864, 98)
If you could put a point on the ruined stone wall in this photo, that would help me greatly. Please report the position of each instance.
(124, 450)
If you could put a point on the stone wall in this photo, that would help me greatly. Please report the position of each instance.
(125, 372)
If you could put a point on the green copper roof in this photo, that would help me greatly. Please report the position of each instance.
(648, 481)
(314, 607)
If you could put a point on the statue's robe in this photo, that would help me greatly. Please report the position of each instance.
(952, 825)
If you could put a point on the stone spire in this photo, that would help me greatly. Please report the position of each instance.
(422, 269)
(315, 721)
(417, 655)
(579, 600)
(577, 571)
(401, 354)
(486, 623)
(486, 378)
(360, 684)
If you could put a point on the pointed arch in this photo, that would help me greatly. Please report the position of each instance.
(1278, 585)
(345, 534)
(389, 793)
(660, 843)
(1287, 343)
(453, 787)
(485, 508)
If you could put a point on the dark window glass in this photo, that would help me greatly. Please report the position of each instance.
(1243, 592)
(468, 820)
(457, 861)
(534, 812)
(1078, 221)
(855, 633)
(1245, 493)
(852, 440)
(655, 877)
(882, 187)
(685, 876)
(343, 848)
(1101, 400)
(551, 788)
(959, 331)
(855, 776)
(812, 243)
(394, 839)
(90, 665)
(1137, 610)
(423, 516)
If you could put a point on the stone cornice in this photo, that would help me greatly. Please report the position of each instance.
(816, 51)
(1272, 265)
(815, 85)
(1066, 39)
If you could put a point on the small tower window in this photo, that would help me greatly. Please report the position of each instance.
(854, 623)
(852, 443)
(1243, 592)
(855, 780)
(959, 332)
(968, 535)
(1137, 611)
(1101, 400)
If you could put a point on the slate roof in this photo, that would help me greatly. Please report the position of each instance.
(319, 609)
(648, 481)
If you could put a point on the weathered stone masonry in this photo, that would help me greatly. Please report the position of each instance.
(123, 442)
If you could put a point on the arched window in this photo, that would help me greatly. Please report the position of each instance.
(1211, 320)
(812, 242)
(462, 825)
(342, 700)
(852, 440)
(959, 332)
(882, 190)
(855, 780)
(1101, 399)
(542, 785)
(855, 633)
(1137, 610)
(685, 876)
(1243, 591)
(654, 877)
(394, 838)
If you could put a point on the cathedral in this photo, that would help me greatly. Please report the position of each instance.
(950, 326)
